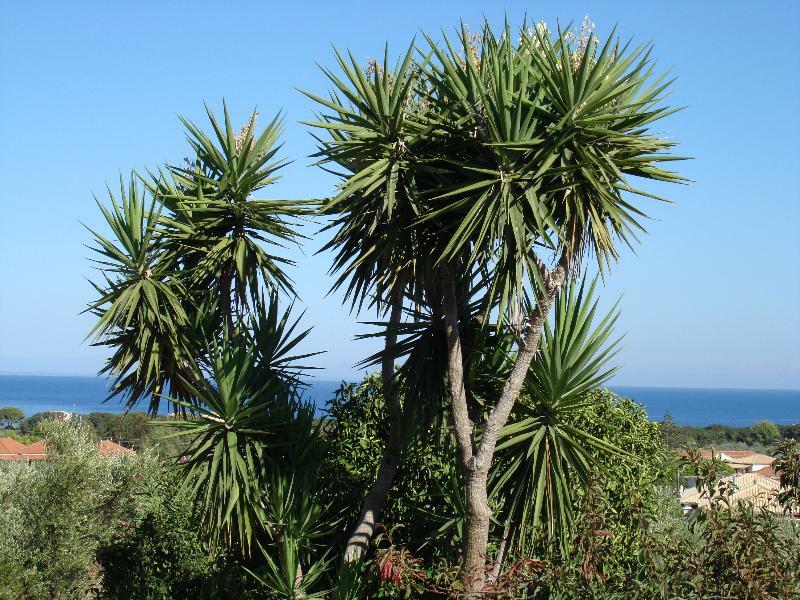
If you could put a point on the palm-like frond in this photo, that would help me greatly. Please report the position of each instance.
(214, 217)
(542, 458)
(246, 419)
(295, 518)
(601, 102)
(141, 310)
(537, 138)
(371, 138)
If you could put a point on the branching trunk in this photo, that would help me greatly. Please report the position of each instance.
(364, 529)
(476, 458)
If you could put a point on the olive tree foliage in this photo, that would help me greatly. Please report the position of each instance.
(476, 174)
(56, 513)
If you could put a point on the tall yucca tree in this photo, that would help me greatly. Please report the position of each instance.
(549, 131)
(526, 146)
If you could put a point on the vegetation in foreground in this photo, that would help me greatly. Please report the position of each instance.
(478, 176)
(81, 525)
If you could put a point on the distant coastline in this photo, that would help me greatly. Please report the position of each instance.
(688, 406)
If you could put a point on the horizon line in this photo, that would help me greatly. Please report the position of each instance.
(347, 380)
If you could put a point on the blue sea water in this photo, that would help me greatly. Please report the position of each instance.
(688, 406)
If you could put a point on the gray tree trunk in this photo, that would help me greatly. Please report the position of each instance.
(476, 457)
(364, 529)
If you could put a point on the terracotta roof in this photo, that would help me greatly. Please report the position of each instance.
(34, 451)
(750, 458)
(10, 449)
(13, 450)
(768, 472)
(109, 448)
(10, 445)
(752, 487)
(735, 454)
(743, 457)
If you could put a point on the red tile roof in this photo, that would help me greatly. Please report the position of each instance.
(13, 450)
(747, 457)
(34, 451)
(109, 448)
(9, 449)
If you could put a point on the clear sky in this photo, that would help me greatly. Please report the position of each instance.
(89, 89)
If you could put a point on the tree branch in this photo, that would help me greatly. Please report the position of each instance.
(498, 416)
(376, 497)
(455, 370)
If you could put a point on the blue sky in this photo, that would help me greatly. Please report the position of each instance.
(89, 89)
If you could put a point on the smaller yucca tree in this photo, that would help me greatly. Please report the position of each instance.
(191, 282)
(188, 257)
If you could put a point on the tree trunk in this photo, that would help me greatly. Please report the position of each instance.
(476, 531)
(477, 510)
(362, 534)
(364, 529)
(476, 461)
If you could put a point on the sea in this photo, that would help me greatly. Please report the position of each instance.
(697, 407)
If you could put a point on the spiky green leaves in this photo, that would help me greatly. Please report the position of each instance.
(140, 309)
(372, 132)
(601, 102)
(247, 420)
(489, 150)
(191, 252)
(216, 226)
(542, 457)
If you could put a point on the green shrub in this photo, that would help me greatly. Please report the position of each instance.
(158, 553)
(61, 511)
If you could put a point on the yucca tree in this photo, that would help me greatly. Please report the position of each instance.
(216, 231)
(549, 132)
(246, 413)
(140, 309)
(372, 136)
(190, 306)
(524, 147)
(189, 257)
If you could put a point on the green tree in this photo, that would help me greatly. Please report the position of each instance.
(189, 306)
(64, 509)
(504, 162)
(765, 433)
(130, 428)
(11, 416)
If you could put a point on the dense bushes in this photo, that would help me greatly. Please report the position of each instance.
(126, 527)
(118, 527)
(60, 511)
(158, 553)
(629, 537)
(424, 513)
